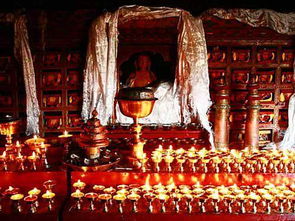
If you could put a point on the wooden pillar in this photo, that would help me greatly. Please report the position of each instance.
(252, 122)
(221, 122)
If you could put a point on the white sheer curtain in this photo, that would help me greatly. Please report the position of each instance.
(289, 139)
(283, 23)
(23, 54)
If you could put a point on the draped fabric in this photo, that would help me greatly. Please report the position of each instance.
(100, 75)
(23, 55)
(283, 23)
(289, 139)
(189, 95)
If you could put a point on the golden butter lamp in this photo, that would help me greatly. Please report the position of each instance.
(136, 103)
(17, 198)
(8, 127)
(66, 138)
(48, 195)
(77, 195)
(105, 198)
(35, 143)
(3, 159)
(176, 198)
(79, 185)
(91, 197)
(189, 199)
(149, 198)
(35, 192)
(163, 198)
(32, 159)
(120, 199)
(31, 201)
(134, 197)
(20, 160)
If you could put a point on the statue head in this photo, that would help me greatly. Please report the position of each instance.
(143, 62)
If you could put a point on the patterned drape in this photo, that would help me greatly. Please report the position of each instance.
(283, 23)
(23, 54)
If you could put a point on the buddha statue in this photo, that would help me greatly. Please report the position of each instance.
(142, 76)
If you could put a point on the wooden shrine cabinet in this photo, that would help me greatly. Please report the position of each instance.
(238, 52)
(59, 86)
(59, 68)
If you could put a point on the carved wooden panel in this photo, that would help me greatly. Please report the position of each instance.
(59, 86)
(260, 54)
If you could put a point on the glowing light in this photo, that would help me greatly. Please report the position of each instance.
(17, 144)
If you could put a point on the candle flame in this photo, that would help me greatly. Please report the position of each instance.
(35, 137)
(159, 186)
(66, 132)
(4, 154)
(203, 152)
(19, 155)
(234, 186)
(17, 143)
(79, 183)
(171, 181)
(147, 181)
(171, 186)
(197, 184)
(180, 151)
(160, 148)
(192, 149)
(282, 97)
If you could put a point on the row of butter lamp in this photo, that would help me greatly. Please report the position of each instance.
(191, 195)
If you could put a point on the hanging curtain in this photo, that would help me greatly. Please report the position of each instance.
(100, 75)
(283, 23)
(289, 139)
(190, 94)
(23, 54)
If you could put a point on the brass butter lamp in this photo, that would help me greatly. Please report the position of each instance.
(8, 127)
(136, 103)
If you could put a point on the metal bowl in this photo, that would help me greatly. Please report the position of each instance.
(136, 108)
